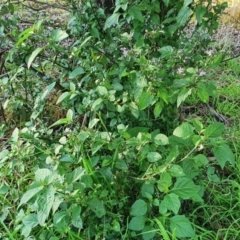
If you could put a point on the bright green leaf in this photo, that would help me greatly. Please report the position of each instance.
(214, 130)
(58, 35)
(181, 226)
(97, 207)
(172, 202)
(183, 16)
(184, 93)
(139, 208)
(33, 56)
(76, 72)
(223, 154)
(112, 20)
(48, 90)
(93, 122)
(153, 156)
(137, 223)
(184, 131)
(166, 51)
(145, 100)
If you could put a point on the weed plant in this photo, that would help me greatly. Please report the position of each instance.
(117, 157)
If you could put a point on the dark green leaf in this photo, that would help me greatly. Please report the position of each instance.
(139, 208)
(137, 223)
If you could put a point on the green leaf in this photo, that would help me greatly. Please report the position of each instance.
(134, 109)
(15, 135)
(183, 16)
(187, 2)
(181, 226)
(33, 56)
(184, 131)
(166, 2)
(76, 72)
(70, 115)
(153, 156)
(223, 154)
(203, 92)
(161, 139)
(172, 202)
(42, 174)
(97, 104)
(185, 188)
(184, 93)
(93, 122)
(102, 90)
(135, 13)
(48, 90)
(25, 35)
(158, 109)
(76, 219)
(147, 190)
(139, 208)
(200, 12)
(60, 122)
(29, 194)
(112, 20)
(137, 223)
(166, 51)
(145, 100)
(148, 233)
(58, 35)
(214, 130)
(63, 96)
(45, 203)
(97, 207)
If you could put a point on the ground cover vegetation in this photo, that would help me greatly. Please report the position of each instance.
(118, 121)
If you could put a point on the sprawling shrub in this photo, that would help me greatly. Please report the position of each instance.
(122, 163)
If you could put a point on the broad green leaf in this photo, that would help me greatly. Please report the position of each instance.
(70, 115)
(183, 16)
(184, 93)
(135, 13)
(93, 122)
(45, 203)
(76, 72)
(97, 207)
(166, 2)
(139, 208)
(148, 233)
(58, 35)
(203, 92)
(15, 135)
(102, 90)
(214, 130)
(153, 156)
(63, 96)
(161, 139)
(48, 90)
(121, 164)
(181, 226)
(184, 131)
(158, 109)
(166, 51)
(76, 219)
(200, 12)
(66, 158)
(147, 190)
(75, 175)
(33, 56)
(172, 203)
(145, 100)
(30, 220)
(223, 154)
(42, 174)
(185, 188)
(97, 104)
(112, 20)
(29, 194)
(134, 109)
(137, 223)
(60, 220)
(201, 160)
(187, 2)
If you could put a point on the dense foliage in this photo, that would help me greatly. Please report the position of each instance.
(96, 146)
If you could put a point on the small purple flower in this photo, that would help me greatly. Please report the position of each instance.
(202, 73)
(124, 51)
